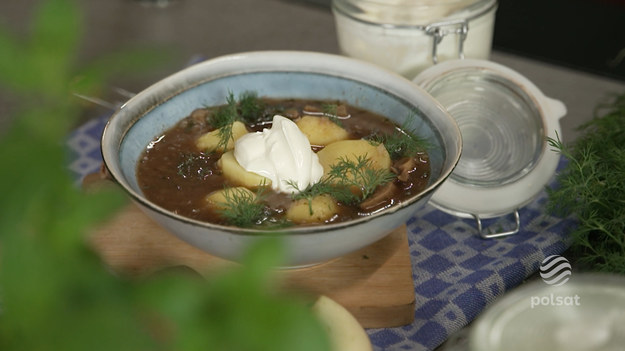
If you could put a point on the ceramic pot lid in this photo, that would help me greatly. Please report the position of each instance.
(504, 120)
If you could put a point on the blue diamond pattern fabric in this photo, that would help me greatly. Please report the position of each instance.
(456, 273)
(84, 148)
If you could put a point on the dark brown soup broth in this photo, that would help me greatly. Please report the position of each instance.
(175, 175)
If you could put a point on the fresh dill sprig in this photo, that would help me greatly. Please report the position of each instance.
(248, 109)
(331, 111)
(251, 108)
(322, 187)
(225, 115)
(243, 208)
(222, 119)
(342, 178)
(360, 174)
(403, 142)
(591, 187)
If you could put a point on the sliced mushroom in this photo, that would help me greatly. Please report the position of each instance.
(382, 196)
(291, 113)
(341, 111)
(311, 109)
(403, 167)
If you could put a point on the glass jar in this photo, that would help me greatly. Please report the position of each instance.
(505, 121)
(407, 36)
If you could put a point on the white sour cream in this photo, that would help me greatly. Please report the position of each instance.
(281, 154)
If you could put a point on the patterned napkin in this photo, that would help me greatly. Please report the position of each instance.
(456, 272)
(84, 146)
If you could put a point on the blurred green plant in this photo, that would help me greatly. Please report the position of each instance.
(55, 293)
(592, 188)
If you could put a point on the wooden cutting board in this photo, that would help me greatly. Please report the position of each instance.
(375, 283)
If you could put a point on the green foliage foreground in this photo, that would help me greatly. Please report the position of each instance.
(55, 293)
(592, 189)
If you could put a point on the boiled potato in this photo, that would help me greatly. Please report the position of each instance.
(342, 328)
(210, 141)
(237, 175)
(351, 150)
(320, 208)
(217, 199)
(321, 130)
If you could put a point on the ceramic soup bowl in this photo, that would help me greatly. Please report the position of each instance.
(279, 74)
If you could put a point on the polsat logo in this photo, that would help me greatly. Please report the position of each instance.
(555, 270)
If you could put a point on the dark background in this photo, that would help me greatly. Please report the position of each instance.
(587, 35)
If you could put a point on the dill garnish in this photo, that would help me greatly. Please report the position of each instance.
(342, 177)
(243, 208)
(323, 187)
(331, 111)
(403, 142)
(222, 120)
(591, 187)
(225, 115)
(251, 108)
(360, 174)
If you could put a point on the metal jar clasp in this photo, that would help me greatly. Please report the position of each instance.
(439, 30)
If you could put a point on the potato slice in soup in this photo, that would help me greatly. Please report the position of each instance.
(210, 141)
(321, 130)
(320, 209)
(237, 175)
(351, 150)
(218, 198)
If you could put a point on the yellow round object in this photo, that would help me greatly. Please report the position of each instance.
(352, 149)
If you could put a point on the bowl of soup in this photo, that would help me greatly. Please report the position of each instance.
(327, 152)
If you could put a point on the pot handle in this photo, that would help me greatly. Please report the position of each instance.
(555, 108)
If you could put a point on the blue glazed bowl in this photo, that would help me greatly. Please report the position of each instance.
(279, 74)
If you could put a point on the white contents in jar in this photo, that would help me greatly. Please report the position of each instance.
(281, 154)
(395, 35)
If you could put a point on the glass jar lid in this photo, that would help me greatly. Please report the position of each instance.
(504, 120)
(501, 126)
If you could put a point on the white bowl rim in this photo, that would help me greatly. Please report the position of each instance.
(332, 64)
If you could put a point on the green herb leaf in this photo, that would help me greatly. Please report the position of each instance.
(331, 111)
(342, 177)
(361, 174)
(222, 119)
(56, 293)
(242, 208)
(404, 142)
(252, 109)
(324, 186)
(591, 187)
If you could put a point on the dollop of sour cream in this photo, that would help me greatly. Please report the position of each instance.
(281, 154)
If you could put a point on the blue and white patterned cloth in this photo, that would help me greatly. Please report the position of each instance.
(456, 272)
